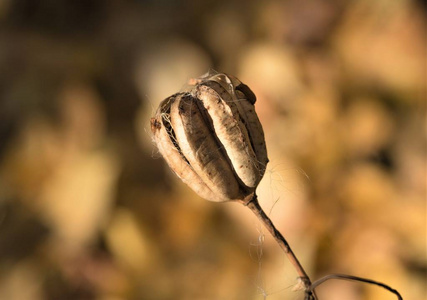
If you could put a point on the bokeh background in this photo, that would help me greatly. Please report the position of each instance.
(89, 210)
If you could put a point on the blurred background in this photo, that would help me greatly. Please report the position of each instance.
(89, 210)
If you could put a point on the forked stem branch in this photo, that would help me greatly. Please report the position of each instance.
(252, 203)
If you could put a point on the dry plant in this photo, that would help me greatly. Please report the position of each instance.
(211, 137)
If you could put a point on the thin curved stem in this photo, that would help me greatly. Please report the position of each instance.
(252, 203)
(354, 278)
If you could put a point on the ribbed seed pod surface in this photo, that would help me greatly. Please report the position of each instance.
(211, 137)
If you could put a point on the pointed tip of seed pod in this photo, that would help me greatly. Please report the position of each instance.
(155, 125)
(247, 92)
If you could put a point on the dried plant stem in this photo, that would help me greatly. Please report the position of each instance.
(252, 203)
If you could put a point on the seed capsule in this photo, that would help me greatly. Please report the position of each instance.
(211, 137)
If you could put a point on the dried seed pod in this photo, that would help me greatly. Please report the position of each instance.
(211, 137)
